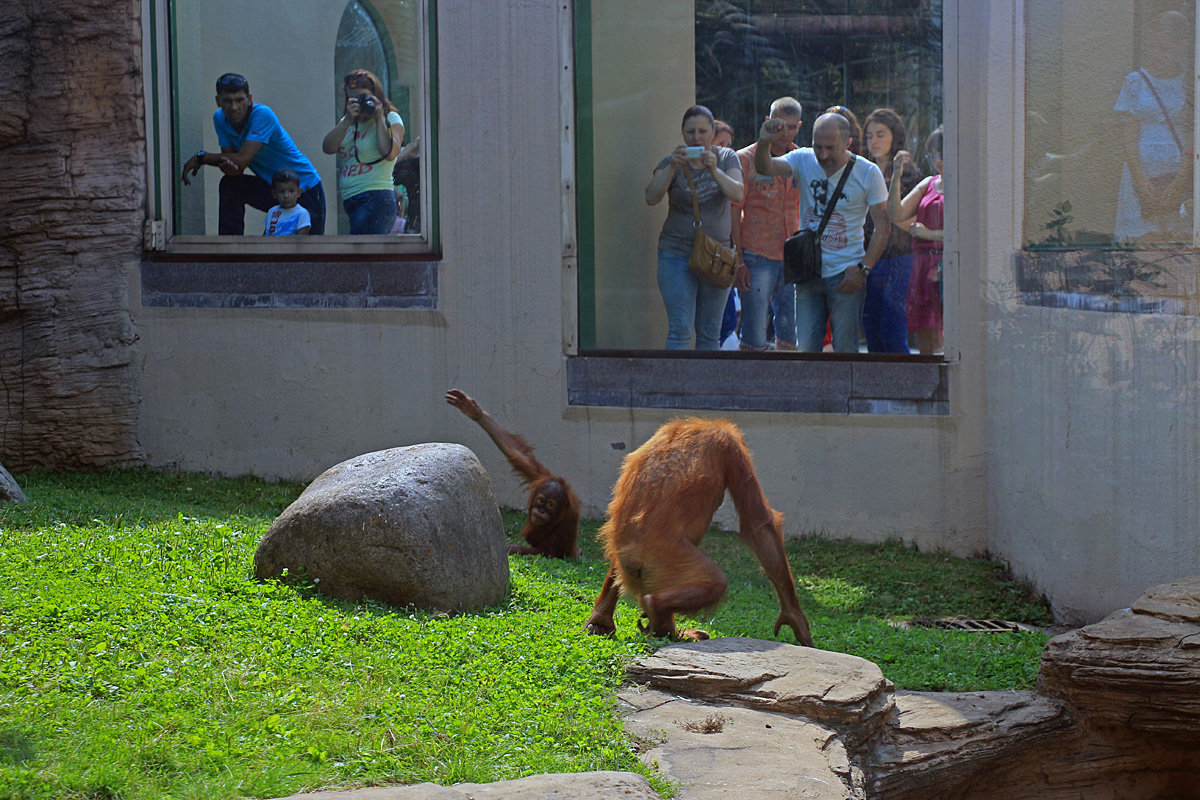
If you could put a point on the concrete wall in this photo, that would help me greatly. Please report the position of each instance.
(1070, 449)
(1092, 417)
(289, 393)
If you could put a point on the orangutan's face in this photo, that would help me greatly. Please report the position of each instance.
(545, 505)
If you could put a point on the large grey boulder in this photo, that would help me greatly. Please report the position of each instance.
(412, 525)
(10, 491)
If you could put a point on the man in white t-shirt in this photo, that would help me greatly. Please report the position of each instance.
(837, 296)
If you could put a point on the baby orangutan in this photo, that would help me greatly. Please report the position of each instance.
(663, 502)
(553, 522)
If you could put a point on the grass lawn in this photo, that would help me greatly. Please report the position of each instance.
(138, 661)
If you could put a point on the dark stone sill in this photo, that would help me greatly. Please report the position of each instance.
(794, 383)
(281, 283)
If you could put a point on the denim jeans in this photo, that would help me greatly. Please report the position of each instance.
(767, 291)
(238, 191)
(371, 212)
(819, 301)
(691, 304)
(885, 309)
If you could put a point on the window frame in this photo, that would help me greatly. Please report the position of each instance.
(776, 382)
(161, 242)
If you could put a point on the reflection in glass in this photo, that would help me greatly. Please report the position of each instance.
(310, 47)
(734, 57)
(1109, 124)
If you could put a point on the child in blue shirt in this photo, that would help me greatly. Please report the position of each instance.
(288, 218)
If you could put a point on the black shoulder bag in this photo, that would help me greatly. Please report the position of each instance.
(802, 252)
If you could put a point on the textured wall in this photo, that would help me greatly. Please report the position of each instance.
(71, 212)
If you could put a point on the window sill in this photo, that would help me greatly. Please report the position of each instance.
(285, 283)
(780, 382)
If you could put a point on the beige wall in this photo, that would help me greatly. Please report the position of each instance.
(297, 81)
(1070, 446)
(1092, 417)
(289, 393)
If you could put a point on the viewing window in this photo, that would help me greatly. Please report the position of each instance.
(1110, 144)
(294, 56)
(634, 82)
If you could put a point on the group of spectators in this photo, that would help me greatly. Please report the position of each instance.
(262, 166)
(881, 248)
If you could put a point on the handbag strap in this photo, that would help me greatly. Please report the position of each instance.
(1162, 107)
(687, 175)
(836, 194)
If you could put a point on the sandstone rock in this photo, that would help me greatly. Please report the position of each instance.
(411, 525)
(73, 184)
(575, 786)
(10, 491)
(1177, 601)
(714, 752)
(1137, 670)
(844, 691)
(941, 737)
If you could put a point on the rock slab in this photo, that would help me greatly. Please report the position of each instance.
(412, 525)
(844, 691)
(715, 752)
(578, 786)
(1137, 670)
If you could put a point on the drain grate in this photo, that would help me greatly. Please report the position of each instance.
(970, 625)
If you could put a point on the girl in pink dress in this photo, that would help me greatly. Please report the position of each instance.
(926, 201)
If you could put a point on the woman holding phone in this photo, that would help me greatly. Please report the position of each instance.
(715, 175)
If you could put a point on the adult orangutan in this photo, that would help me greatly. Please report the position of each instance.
(662, 504)
(552, 525)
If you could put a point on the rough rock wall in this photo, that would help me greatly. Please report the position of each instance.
(72, 189)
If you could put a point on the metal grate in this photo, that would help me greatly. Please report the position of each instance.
(970, 625)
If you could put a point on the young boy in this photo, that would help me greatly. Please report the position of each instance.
(288, 218)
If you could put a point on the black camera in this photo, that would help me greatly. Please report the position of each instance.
(366, 105)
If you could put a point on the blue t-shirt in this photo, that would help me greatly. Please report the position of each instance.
(286, 221)
(277, 151)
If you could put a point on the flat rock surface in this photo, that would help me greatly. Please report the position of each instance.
(1132, 670)
(836, 689)
(943, 736)
(575, 786)
(716, 752)
(1177, 601)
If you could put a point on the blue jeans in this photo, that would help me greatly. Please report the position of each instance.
(818, 302)
(691, 304)
(767, 290)
(885, 309)
(371, 212)
(238, 191)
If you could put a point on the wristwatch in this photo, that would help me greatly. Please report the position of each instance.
(200, 154)
(864, 269)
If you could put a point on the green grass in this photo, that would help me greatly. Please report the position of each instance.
(138, 661)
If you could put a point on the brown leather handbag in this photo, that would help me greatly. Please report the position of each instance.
(710, 261)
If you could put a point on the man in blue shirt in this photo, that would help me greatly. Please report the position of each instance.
(251, 136)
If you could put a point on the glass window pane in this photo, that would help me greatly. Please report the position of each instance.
(1109, 124)
(294, 57)
(735, 57)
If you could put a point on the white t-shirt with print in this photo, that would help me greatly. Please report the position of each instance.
(842, 244)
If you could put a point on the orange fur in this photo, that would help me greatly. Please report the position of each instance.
(663, 503)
